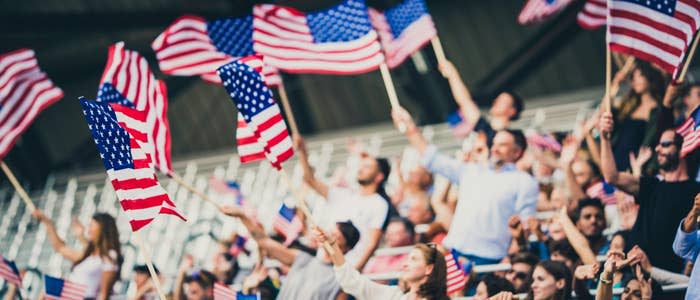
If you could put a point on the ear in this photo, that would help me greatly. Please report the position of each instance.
(560, 284)
(379, 177)
(429, 269)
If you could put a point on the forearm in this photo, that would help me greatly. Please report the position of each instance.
(334, 253)
(416, 139)
(367, 255)
(593, 148)
(607, 159)
(574, 189)
(178, 291)
(577, 240)
(603, 292)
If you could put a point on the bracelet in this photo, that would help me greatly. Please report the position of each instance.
(605, 281)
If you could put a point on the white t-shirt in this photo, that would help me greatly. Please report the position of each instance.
(365, 212)
(89, 272)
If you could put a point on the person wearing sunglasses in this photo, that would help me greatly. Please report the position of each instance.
(663, 200)
(520, 273)
(424, 273)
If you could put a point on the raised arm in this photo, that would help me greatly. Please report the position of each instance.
(576, 239)
(107, 284)
(309, 177)
(566, 160)
(275, 249)
(432, 160)
(461, 93)
(687, 242)
(57, 243)
(624, 181)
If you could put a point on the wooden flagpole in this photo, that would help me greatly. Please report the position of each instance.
(149, 264)
(689, 59)
(608, 71)
(389, 85)
(190, 188)
(22, 193)
(287, 108)
(439, 51)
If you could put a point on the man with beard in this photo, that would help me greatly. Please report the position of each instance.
(663, 200)
(368, 207)
(589, 217)
(489, 194)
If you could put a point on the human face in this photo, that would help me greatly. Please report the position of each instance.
(482, 293)
(418, 212)
(520, 276)
(667, 152)
(502, 106)
(617, 243)
(339, 239)
(556, 231)
(582, 173)
(420, 177)
(140, 279)
(556, 256)
(591, 222)
(93, 231)
(368, 171)
(640, 84)
(415, 268)
(544, 286)
(396, 235)
(194, 291)
(693, 99)
(504, 149)
(633, 291)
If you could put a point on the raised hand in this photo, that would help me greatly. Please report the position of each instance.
(636, 162)
(585, 272)
(643, 258)
(606, 123)
(76, 228)
(568, 151)
(515, 226)
(232, 210)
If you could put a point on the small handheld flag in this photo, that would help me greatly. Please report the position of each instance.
(116, 132)
(690, 130)
(222, 292)
(60, 289)
(9, 271)
(259, 110)
(536, 11)
(288, 224)
(593, 15)
(456, 280)
(403, 29)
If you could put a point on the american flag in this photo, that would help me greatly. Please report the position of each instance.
(658, 31)
(222, 292)
(536, 11)
(9, 272)
(259, 111)
(544, 141)
(25, 91)
(460, 128)
(603, 191)
(403, 29)
(288, 224)
(689, 131)
(116, 130)
(337, 40)
(456, 279)
(238, 245)
(59, 289)
(129, 81)
(193, 46)
(227, 187)
(593, 15)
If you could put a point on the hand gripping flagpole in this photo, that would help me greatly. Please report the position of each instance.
(190, 188)
(151, 270)
(22, 193)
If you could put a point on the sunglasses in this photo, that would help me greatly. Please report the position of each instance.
(666, 144)
(519, 275)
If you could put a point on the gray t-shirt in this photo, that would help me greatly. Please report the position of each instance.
(309, 278)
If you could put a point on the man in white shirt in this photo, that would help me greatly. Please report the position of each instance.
(366, 207)
(488, 194)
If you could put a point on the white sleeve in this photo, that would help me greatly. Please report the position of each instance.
(361, 287)
(379, 213)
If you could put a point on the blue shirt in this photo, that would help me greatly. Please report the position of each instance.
(687, 246)
(487, 199)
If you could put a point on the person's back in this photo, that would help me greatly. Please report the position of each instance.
(662, 205)
(309, 278)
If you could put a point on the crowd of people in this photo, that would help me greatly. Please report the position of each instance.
(623, 209)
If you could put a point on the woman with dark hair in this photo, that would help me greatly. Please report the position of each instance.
(424, 274)
(636, 115)
(98, 264)
(491, 285)
(550, 281)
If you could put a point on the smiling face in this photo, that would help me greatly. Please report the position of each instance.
(519, 275)
(666, 151)
(544, 285)
(504, 149)
(368, 171)
(415, 267)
